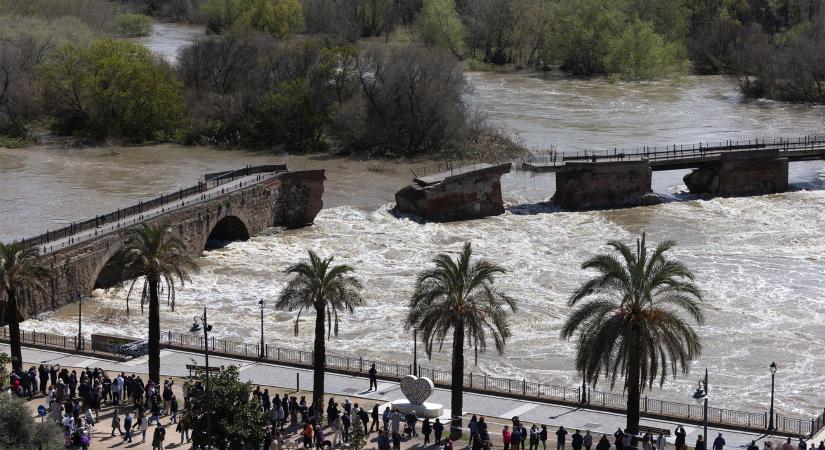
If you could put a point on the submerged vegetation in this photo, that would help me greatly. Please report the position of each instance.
(375, 77)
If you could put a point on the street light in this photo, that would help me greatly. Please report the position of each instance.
(773, 378)
(702, 395)
(263, 347)
(80, 298)
(206, 329)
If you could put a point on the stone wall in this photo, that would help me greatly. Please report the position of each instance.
(582, 186)
(291, 200)
(741, 173)
(471, 195)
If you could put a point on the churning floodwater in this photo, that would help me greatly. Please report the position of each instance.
(759, 260)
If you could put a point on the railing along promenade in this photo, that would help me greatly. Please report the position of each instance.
(159, 205)
(801, 148)
(481, 383)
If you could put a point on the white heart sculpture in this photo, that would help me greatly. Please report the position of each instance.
(417, 390)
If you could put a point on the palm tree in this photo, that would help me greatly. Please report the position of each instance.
(459, 296)
(629, 320)
(20, 274)
(153, 255)
(327, 289)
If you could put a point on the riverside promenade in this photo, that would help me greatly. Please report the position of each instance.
(173, 364)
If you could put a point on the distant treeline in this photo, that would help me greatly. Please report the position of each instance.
(383, 77)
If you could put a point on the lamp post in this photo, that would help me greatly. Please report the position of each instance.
(263, 346)
(206, 329)
(415, 351)
(773, 378)
(702, 395)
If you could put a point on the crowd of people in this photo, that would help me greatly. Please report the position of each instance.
(73, 399)
(74, 402)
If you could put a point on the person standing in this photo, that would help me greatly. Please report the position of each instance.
(515, 437)
(561, 433)
(158, 437)
(577, 440)
(346, 421)
(383, 440)
(438, 428)
(543, 437)
(426, 429)
(681, 442)
(700, 443)
(505, 437)
(534, 437)
(386, 419)
(661, 442)
(802, 444)
(173, 407)
(719, 442)
(375, 416)
(373, 378)
(473, 426)
(753, 446)
(144, 427)
(587, 442)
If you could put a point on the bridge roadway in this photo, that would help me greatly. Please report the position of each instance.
(207, 195)
(222, 207)
(684, 157)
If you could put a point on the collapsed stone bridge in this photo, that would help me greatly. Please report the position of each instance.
(222, 207)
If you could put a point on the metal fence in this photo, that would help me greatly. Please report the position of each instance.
(474, 381)
(522, 388)
(174, 198)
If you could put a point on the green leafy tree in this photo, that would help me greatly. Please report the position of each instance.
(628, 320)
(639, 53)
(440, 25)
(5, 360)
(133, 25)
(358, 436)
(236, 421)
(277, 17)
(111, 89)
(458, 297)
(152, 255)
(18, 430)
(328, 289)
(21, 275)
(289, 115)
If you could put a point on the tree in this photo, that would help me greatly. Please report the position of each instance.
(440, 25)
(18, 430)
(459, 296)
(639, 53)
(627, 320)
(21, 275)
(236, 421)
(326, 288)
(111, 89)
(153, 255)
(277, 17)
(4, 373)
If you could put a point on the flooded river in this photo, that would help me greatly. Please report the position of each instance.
(760, 260)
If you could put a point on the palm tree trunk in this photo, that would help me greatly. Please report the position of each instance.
(154, 331)
(457, 382)
(14, 331)
(633, 397)
(319, 357)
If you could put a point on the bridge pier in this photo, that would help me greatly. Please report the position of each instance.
(582, 186)
(741, 173)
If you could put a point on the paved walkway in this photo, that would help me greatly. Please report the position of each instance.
(173, 363)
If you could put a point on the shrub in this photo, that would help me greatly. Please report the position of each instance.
(277, 17)
(18, 429)
(133, 25)
(110, 89)
(96, 13)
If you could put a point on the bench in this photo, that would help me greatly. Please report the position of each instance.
(195, 368)
(655, 431)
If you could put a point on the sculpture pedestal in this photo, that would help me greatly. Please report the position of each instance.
(428, 410)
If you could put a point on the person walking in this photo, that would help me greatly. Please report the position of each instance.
(373, 378)
(505, 437)
(438, 428)
(173, 407)
(336, 434)
(307, 435)
(375, 416)
(183, 429)
(719, 442)
(127, 424)
(116, 424)
(561, 433)
(577, 440)
(158, 437)
(144, 427)
(427, 429)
